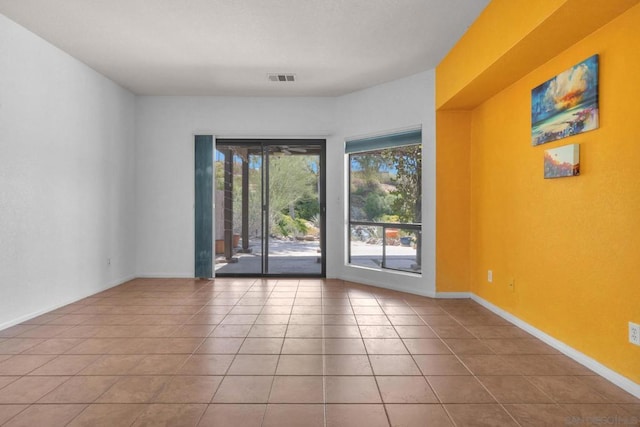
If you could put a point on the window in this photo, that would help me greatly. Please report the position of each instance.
(385, 198)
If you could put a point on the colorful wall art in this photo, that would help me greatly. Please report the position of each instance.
(562, 161)
(567, 104)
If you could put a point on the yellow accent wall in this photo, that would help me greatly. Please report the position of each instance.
(453, 210)
(572, 245)
(512, 37)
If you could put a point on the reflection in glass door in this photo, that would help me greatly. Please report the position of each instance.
(269, 198)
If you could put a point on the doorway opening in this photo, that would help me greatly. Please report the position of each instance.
(270, 207)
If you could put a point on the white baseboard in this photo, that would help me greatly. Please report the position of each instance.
(62, 304)
(453, 295)
(166, 276)
(385, 285)
(597, 367)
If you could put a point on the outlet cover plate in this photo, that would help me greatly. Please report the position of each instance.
(634, 333)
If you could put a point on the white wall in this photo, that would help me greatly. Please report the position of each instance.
(165, 127)
(66, 177)
(397, 105)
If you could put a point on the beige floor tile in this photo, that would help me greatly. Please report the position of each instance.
(15, 330)
(304, 331)
(245, 415)
(112, 365)
(9, 411)
(385, 346)
(435, 364)
(344, 389)
(590, 413)
(378, 331)
(159, 364)
(206, 364)
(261, 346)
(459, 389)
(6, 380)
(243, 389)
(341, 415)
(347, 364)
(107, 415)
(405, 320)
(339, 319)
(45, 415)
(567, 389)
(415, 332)
(80, 389)
(467, 346)
(344, 346)
(272, 319)
(484, 364)
(632, 408)
(44, 331)
(610, 391)
(451, 331)
(189, 389)
(134, 389)
(519, 346)
(231, 331)
(302, 346)
(66, 365)
(193, 331)
(23, 364)
(300, 364)
(513, 389)
(29, 389)
(393, 365)
(220, 345)
(426, 346)
(405, 389)
(166, 346)
(418, 415)
(535, 415)
(253, 364)
(267, 331)
(480, 415)
(54, 346)
(297, 389)
(174, 415)
(286, 415)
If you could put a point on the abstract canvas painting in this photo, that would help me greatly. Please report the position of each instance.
(562, 161)
(567, 104)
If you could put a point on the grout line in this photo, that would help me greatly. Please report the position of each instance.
(324, 360)
(375, 377)
(275, 372)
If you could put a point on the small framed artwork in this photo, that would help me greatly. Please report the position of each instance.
(562, 161)
(566, 104)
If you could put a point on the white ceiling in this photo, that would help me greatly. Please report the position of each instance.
(227, 47)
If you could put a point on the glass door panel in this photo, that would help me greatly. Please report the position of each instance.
(238, 199)
(294, 210)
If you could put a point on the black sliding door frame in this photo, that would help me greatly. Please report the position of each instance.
(266, 144)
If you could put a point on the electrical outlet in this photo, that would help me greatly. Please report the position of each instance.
(490, 276)
(512, 285)
(634, 333)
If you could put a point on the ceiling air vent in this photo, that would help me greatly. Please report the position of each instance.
(276, 77)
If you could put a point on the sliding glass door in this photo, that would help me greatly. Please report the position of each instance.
(269, 199)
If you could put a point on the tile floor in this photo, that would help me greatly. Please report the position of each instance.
(252, 352)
